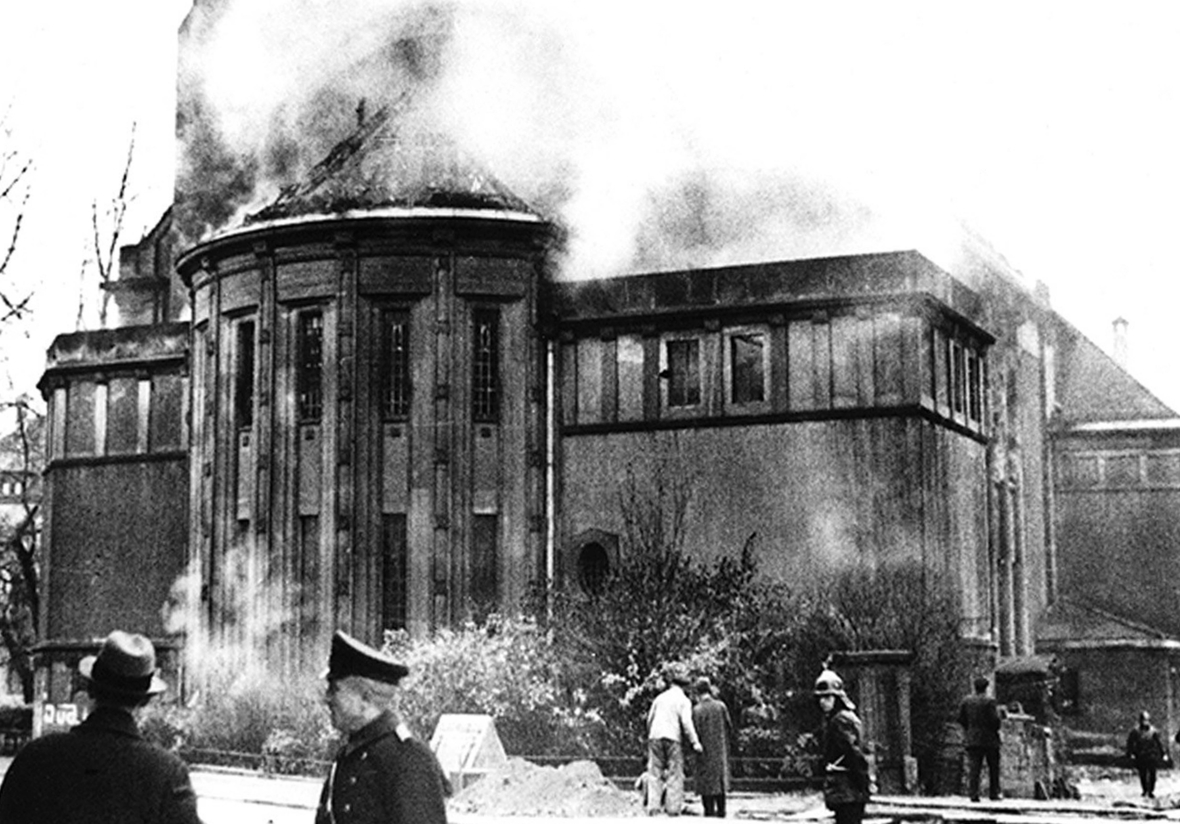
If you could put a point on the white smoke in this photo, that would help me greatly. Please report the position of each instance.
(602, 117)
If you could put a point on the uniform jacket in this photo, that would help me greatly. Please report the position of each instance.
(843, 748)
(713, 726)
(1144, 746)
(100, 772)
(670, 717)
(979, 716)
(383, 775)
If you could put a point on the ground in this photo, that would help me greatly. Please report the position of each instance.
(575, 790)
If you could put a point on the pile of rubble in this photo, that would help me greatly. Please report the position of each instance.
(575, 790)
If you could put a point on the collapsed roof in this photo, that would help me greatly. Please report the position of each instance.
(381, 165)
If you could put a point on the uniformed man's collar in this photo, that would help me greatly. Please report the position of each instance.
(384, 724)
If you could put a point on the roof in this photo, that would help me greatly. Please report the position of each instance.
(1073, 624)
(1092, 387)
(390, 160)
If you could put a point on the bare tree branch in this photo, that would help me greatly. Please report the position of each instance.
(106, 240)
(15, 189)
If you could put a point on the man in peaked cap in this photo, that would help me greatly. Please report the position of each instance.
(103, 770)
(382, 773)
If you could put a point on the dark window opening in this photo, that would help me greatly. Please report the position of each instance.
(684, 376)
(483, 586)
(309, 573)
(957, 382)
(394, 571)
(310, 366)
(395, 365)
(593, 568)
(745, 357)
(485, 366)
(974, 387)
(244, 376)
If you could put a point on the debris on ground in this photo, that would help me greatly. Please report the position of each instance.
(574, 790)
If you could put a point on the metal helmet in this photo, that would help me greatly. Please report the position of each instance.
(829, 683)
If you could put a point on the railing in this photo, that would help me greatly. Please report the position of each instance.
(748, 774)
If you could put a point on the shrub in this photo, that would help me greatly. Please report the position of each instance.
(248, 717)
(508, 668)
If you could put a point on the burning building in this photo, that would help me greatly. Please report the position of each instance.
(375, 400)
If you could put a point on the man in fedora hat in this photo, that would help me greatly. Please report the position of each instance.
(103, 770)
(382, 773)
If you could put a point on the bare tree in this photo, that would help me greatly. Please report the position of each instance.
(106, 233)
(15, 179)
(22, 458)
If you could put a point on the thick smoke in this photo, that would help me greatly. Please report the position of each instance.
(571, 109)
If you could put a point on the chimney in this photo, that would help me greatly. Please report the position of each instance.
(1120, 342)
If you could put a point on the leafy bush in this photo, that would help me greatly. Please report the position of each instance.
(248, 717)
(508, 668)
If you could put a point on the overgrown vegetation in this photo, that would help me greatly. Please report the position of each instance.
(574, 675)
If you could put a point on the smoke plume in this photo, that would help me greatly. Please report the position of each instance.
(573, 110)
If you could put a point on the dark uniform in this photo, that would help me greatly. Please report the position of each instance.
(847, 780)
(382, 775)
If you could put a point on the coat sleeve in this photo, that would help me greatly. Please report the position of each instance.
(179, 805)
(419, 797)
(687, 726)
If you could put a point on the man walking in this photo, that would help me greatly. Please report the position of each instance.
(103, 770)
(382, 773)
(1146, 752)
(668, 721)
(979, 716)
(711, 718)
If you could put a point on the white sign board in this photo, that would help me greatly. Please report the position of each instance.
(467, 745)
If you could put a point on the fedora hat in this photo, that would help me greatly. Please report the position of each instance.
(125, 665)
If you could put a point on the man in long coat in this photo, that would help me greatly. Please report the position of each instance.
(710, 716)
(102, 770)
(382, 774)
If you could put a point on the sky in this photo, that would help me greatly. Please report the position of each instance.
(1051, 129)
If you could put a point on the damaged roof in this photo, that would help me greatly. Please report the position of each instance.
(383, 165)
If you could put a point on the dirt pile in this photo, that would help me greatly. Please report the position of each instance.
(573, 790)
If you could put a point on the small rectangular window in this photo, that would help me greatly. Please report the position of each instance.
(395, 365)
(394, 571)
(485, 367)
(244, 376)
(748, 382)
(310, 366)
(958, 379)
(684, 372)
(974, 387)
(484, 582)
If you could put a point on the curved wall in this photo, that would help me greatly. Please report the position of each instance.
(368, 426)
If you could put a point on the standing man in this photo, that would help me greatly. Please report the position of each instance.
(979, 716)
(846, 766)
(1146, 751)
(103, 770)
(668, 721)
(711, 718)
(382, 773)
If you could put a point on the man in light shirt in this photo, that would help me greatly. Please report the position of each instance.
(669, 723)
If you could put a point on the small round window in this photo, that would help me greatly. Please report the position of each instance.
(593, 567)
